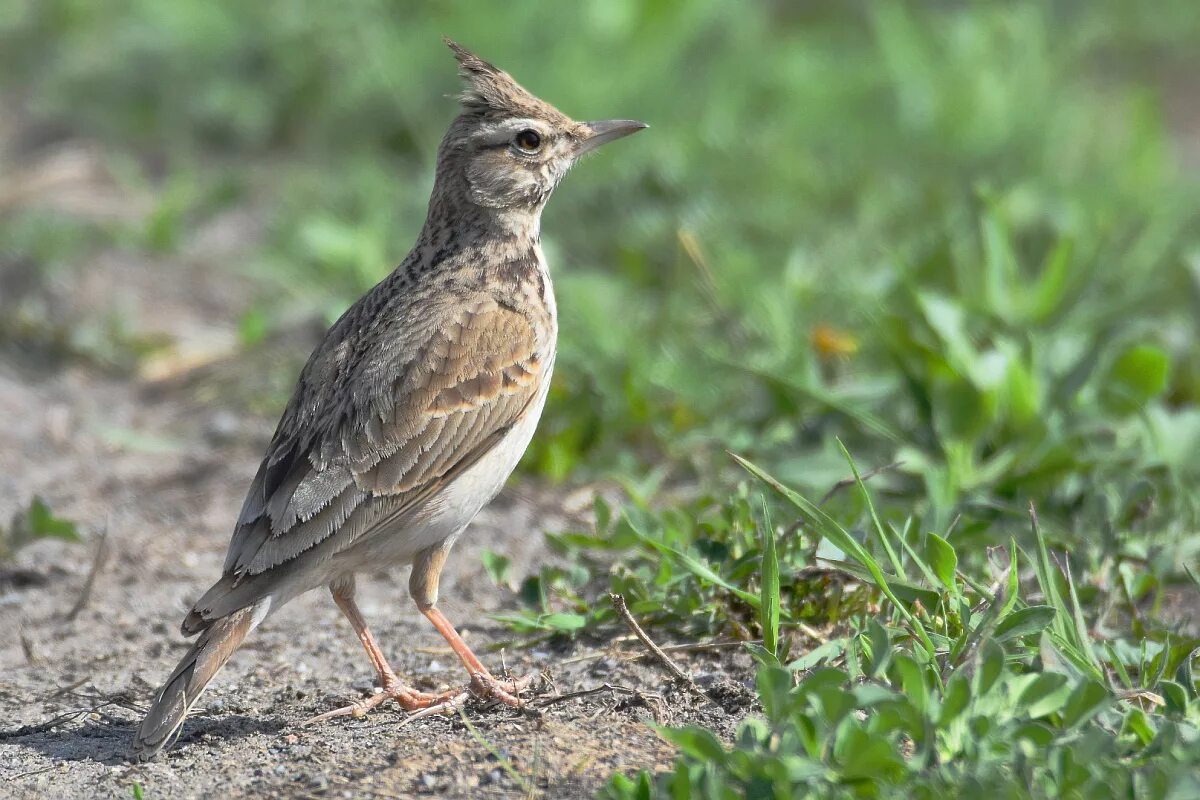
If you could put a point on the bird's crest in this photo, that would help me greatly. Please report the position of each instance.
(489, 90)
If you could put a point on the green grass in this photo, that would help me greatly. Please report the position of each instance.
(956, 236)
(977, 690)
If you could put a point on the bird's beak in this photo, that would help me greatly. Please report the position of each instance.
(607, 130)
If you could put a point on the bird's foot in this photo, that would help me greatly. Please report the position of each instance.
(483, 686)
(394, 690)
(486, 686)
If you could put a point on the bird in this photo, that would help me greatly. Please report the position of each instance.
(412, 412)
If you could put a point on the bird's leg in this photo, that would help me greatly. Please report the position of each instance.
(483, 683)
(423, 586)
(393, 689)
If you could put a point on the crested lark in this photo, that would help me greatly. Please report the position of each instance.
(411, 413)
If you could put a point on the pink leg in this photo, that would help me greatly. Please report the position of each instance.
(393, 688)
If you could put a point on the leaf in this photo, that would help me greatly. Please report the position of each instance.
(36, 522)
(819, 655)
(1044, 695)
(1001, 278)
(564, 622)
(912, 678)
(1039, 734)
(821, 680)
(496, 566)
(1175, 696)
(533, 592)
(1023, 622)
(45, 525)
(955, 698)
(942, 558)
(1140, 374)
(871, 694)
(1087, 700)
(762, 655)
(864, 756)
(697, 742)
(774, 691)
(1138, 724)
(1051, 284)
(881, 648)
(1184, 673)
(991, 664)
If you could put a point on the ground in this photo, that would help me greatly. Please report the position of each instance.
(162, 465)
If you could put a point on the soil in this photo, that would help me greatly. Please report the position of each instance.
(158, 464)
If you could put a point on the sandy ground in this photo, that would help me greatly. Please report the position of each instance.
(164, 470)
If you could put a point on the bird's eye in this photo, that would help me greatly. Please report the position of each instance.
(528, 140)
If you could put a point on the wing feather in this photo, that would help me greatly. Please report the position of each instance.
(397, 439)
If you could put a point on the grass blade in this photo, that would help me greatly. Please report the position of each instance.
(769, 613)
(835, 533)
(880, 531)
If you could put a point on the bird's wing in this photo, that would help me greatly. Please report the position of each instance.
(385, 449)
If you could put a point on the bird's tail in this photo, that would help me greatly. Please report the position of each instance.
(210, 652)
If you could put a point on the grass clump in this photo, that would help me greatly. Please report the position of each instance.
(999, 691)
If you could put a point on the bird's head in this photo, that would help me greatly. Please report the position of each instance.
(508, 148)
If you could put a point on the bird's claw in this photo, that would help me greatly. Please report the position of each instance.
(488, 687)
(483, 686)
(408, 699)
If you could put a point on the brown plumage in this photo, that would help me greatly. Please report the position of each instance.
(414, 409)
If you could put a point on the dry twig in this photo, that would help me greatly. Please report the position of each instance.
(28, 643)
(70, 716)
(666, 648)
(98, 562)
(30, 773)
(676, 671)
(544, 702)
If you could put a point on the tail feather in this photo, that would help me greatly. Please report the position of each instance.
(173, 701)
